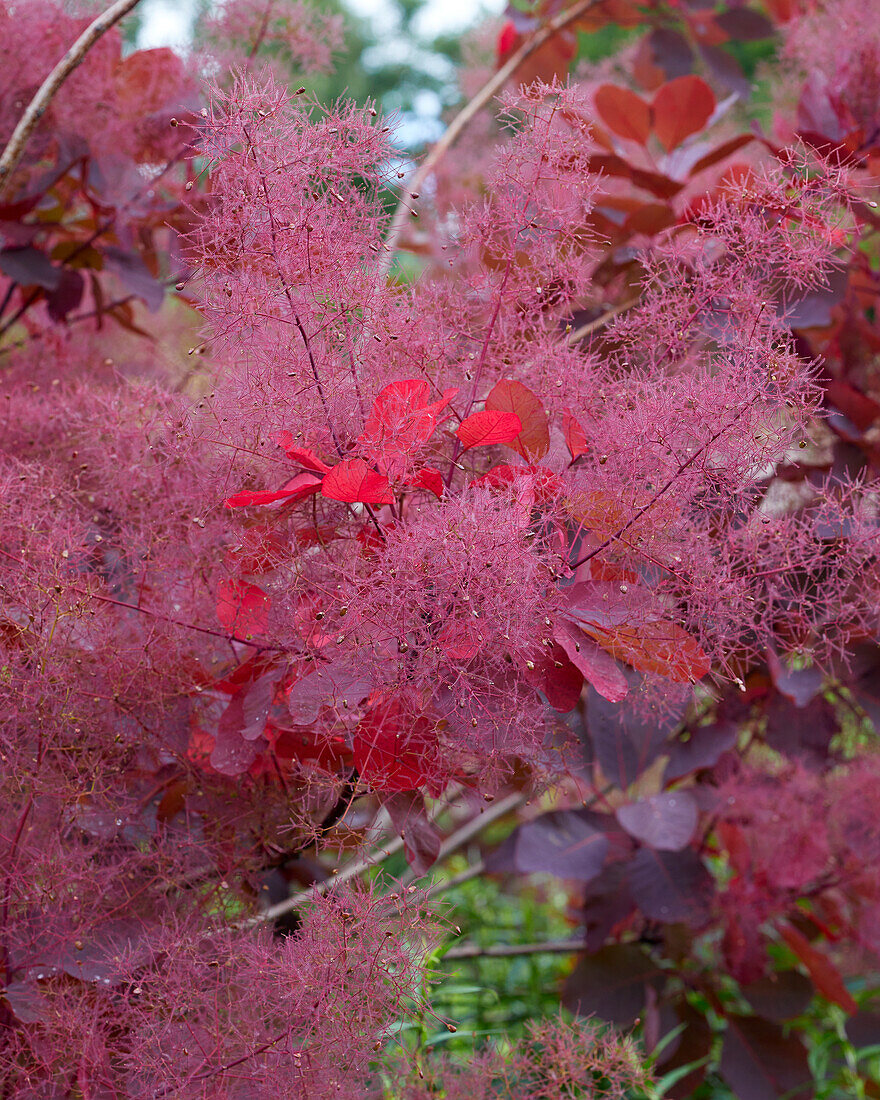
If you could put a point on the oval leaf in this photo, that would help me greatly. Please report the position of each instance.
(592, 662)
(242, 608)
(533, 441)
(487, 427)
(681, 108)
(666, 821)
(624, 112)
(353, 482)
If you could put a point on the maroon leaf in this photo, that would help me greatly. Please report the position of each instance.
(670, 886)
(428, 478)
(247, 711)
(799, 685)
(760, 1062)
(487, 427)
(596, 666)
(533, 440)
(305, 456)
(391, 747)
(422, 840)
(720, 152)
(625, 741)
(611, 984)
(826, 977)
(703, 749)
(575, 436)
(134, 275)
(681, 108)
(30, 267)
(624, 112)
(564, 843)
(745, 24)
(66, 296)
(557, 678)
(353, 482)
(780, 996)
(334, 685)
(666, 821)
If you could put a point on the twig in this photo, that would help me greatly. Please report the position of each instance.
(35, 110)
(511, 950)
(463, 119)
(470, 829)
(357, 867)
(600, 322)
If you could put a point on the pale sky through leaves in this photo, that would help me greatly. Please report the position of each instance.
(168, 22)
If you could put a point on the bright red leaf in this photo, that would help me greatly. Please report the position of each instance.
(596, 666)
(487, 427)
(390, 747)
(575, 436)
(302, 455)
(298, 488)
(427, 478)
(242, 608)
(353, 482)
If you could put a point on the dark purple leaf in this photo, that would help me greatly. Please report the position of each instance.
(863, 1029)
(703, 749)
(232, 754)
(666, 821)
(694, 1044)
(803, 733)
(134, 276)
(671, 886)
(814, 309)
(607, 901)
(780, 996)
(800, 686)
(611, 984)
(671, 53)
(331, 685)
(66, 296)
(28, 1007)
(421, 838)
(726, 69)
(248, 710)
(760, 1062)
(745, 24)
(626, 741)
(564, 843)
(30, 267)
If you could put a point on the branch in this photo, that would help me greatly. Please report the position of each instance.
(464, 118)
(511, 950)
(35, 110)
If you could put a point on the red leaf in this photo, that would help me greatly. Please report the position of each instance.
(681, 108)
(624, 112)
(302, 455)
(353, 482)
(427, 478)
(720, 152)
(559, 680)
(575, 436)
(657, 646)
(402, 420)
(533, 441)
(242, 608)
(826, 977)
(508, 41)
(298, 488)
(487, 427)
(532, 484)
(596, 666)
(390, 747)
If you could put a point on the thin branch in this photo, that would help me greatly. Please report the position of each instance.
(464, 118)
(472, 828)
(593, 326)
(511, 950)
(35, 110)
